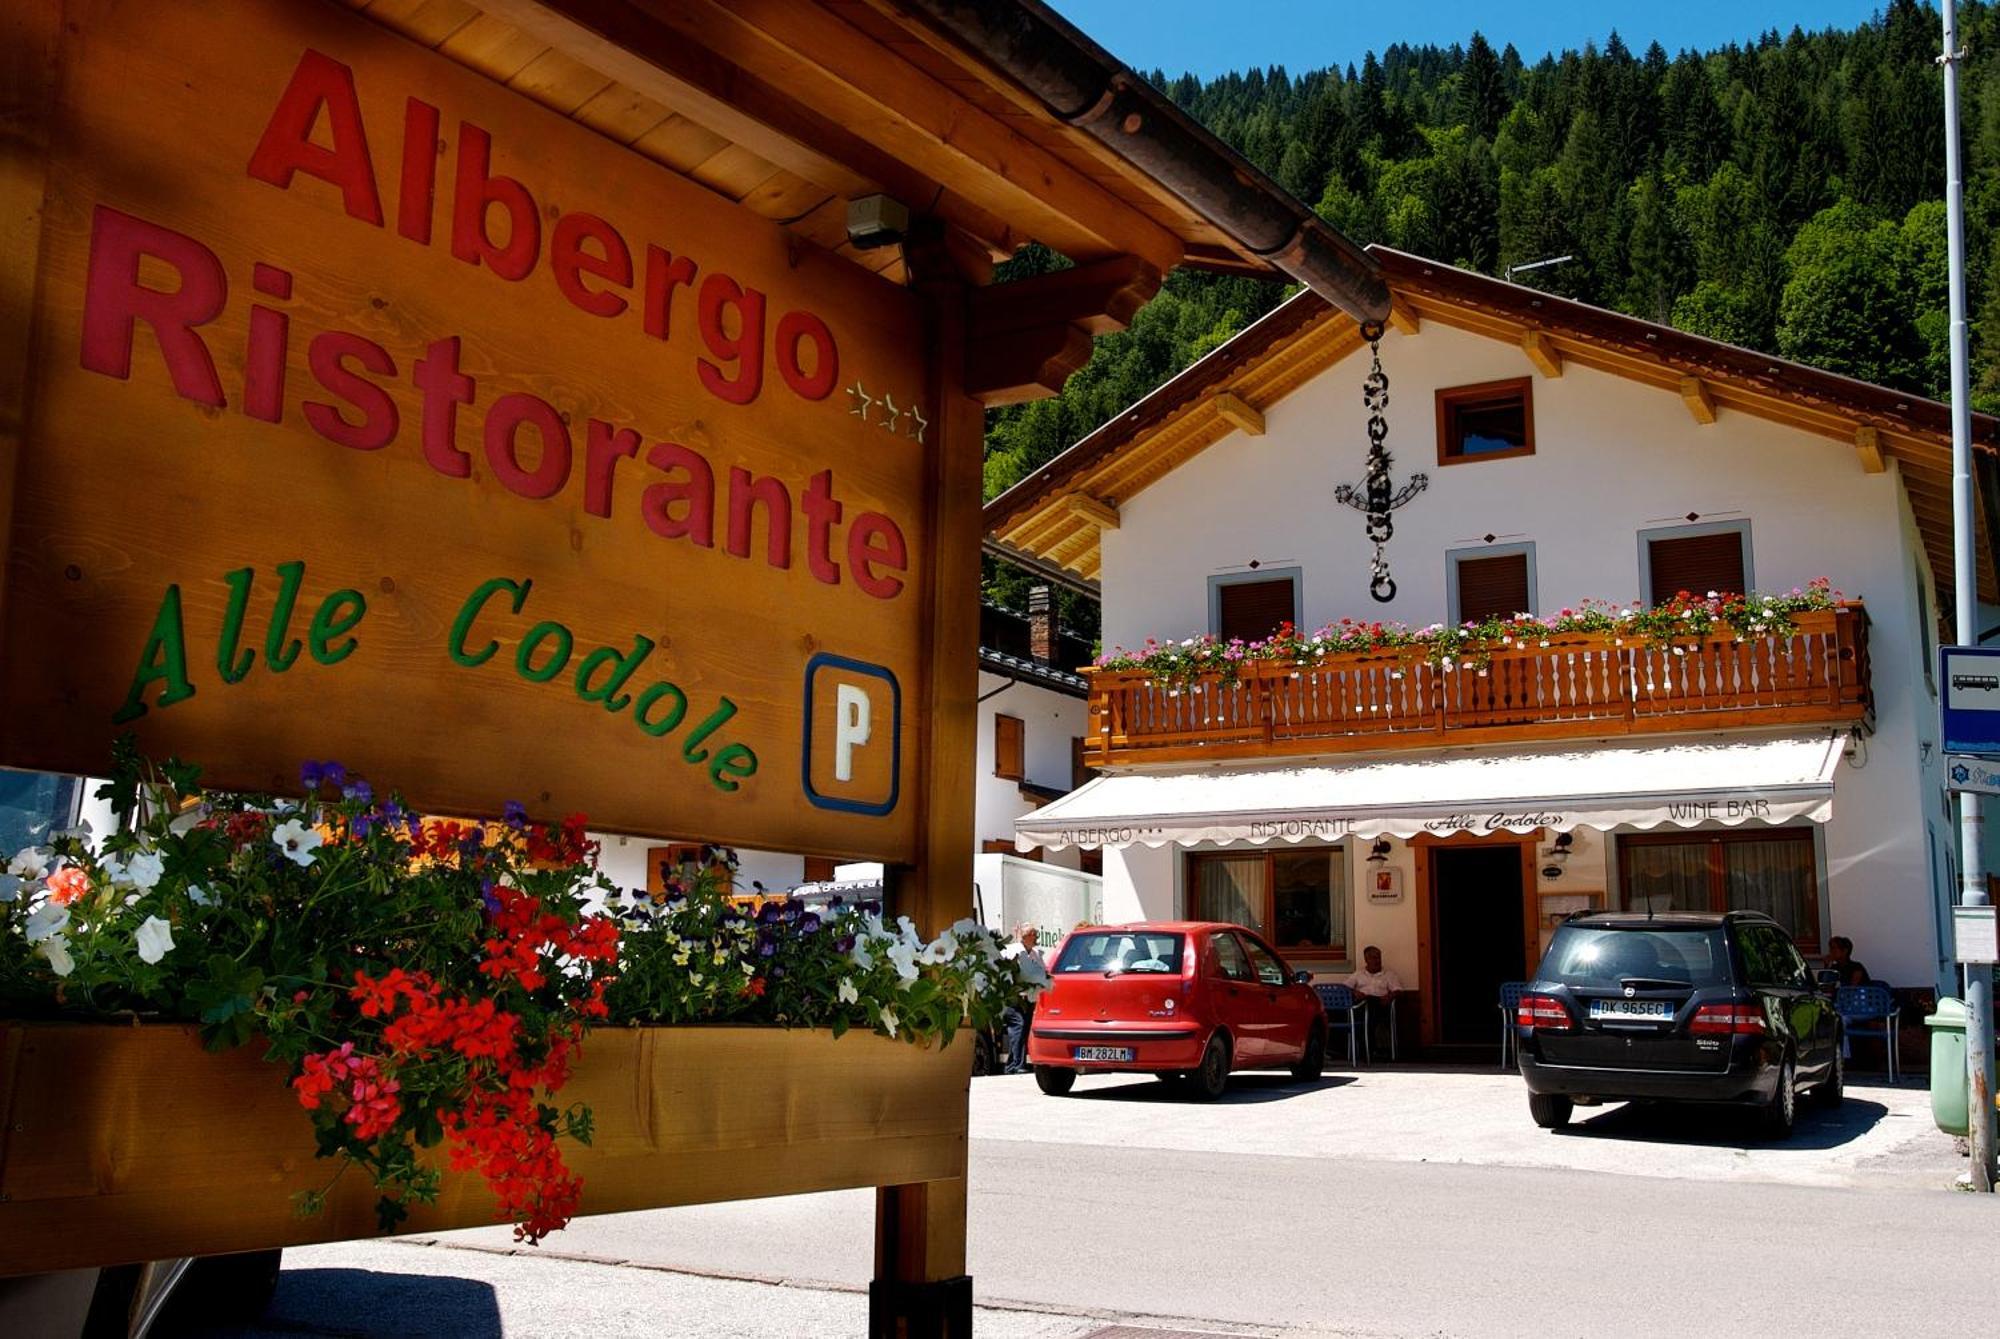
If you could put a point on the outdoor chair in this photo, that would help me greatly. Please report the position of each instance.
(1510, 1002)
(1870, 1011)
(1343, 1011)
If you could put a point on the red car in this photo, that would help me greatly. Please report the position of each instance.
(1189, 1001)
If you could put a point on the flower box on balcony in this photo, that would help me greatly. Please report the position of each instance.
(1538, 686)
(122, 1144)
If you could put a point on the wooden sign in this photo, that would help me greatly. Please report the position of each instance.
(375, 412)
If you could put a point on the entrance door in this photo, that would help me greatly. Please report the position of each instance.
(1478, 932)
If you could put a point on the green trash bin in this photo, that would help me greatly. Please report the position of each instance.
(1951, 1089)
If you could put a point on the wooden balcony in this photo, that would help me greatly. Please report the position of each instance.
(1576, 687)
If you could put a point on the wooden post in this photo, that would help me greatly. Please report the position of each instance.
(921, 1289)
(28, 59)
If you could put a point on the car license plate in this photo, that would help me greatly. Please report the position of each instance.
(1104, 1053)
(1641, 1011)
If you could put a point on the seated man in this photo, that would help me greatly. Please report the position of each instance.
(1840, 959)
(1374, 986)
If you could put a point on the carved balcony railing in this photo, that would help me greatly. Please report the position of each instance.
(1577, 686)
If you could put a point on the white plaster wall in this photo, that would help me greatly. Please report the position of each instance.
(1050, 721)
(1612, 458)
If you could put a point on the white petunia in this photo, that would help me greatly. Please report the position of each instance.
(46, 920)
(940, 950)
(56, 950)
(155, 939)
(81, 831)
(142, 871)
(200, 896)
(189, 819)
(888, 1020)
(904, 955)
(297, 841)
(967, 926)
(848, 994)
(862, 957)
(29, 863)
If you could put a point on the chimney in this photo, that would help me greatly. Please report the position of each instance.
(1041, 625)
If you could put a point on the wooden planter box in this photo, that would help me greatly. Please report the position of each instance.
(123, 1144)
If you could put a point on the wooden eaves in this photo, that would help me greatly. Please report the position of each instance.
(1305, 336)
(796, 108)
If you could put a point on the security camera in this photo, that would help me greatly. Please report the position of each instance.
(876, 220)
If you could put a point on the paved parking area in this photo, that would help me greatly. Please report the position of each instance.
(1881, 1135)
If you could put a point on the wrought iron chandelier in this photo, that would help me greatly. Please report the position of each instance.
(1375, 496)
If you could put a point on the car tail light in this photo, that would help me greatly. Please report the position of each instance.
(1722, 1020)
(1542, 1011)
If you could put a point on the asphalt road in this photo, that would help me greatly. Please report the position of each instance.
(1397, 1203)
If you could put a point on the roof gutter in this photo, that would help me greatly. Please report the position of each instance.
(1084, 86)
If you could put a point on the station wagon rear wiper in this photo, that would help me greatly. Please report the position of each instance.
(1654, 982)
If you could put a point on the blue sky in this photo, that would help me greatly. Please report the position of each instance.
(1212, 37)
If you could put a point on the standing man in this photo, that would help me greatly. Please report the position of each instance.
(1014, 1022)
(1376, 987)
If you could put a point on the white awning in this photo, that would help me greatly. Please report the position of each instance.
(1729, 780)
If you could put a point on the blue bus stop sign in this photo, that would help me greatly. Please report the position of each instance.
(1970, 677)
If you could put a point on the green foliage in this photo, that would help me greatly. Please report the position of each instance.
(1782, 195)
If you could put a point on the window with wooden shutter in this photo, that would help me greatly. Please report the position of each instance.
(1492, 586)
(1490, 421)
(1253, 610)
(1697, 564)
(1010, 738)
(818, 869)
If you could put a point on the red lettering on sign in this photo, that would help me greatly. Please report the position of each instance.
(795, 328)
(745, 493)
(327, 356)
(416, 193)
(696, 493)
(875, 540)
(473, 192)
(114, 300)
(265, 350)
(719, 295)
(503, 441)
(603, 447)
(570, 261)
(287, 148)
(822, 514)
(445, 388)
(664, 273)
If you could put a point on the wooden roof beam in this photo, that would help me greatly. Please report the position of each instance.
(1868, 446)
(1099, 513)
(1701, 405)
(1541, 353)
(820, 58)
(1238, 413)
(1403, 317)
(1022, 365)
(1099, 298)
(638, 48)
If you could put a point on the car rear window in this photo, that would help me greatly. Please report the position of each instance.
(1592, 956)
(1120, 951)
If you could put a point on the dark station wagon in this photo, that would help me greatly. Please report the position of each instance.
(1680, 1006)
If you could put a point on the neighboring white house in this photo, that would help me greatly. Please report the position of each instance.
(1572, 453)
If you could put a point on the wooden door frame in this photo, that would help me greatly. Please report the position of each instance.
(1421, 846)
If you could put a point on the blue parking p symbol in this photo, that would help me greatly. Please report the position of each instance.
(853, 735)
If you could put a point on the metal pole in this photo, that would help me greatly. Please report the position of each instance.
(1965, 577)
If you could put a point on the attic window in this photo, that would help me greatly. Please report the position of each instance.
(1490, 421)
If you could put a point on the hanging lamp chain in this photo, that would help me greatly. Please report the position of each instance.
(1375, 483)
